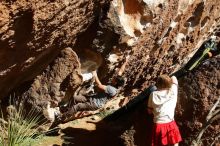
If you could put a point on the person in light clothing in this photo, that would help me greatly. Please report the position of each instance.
(162, 104)
(97, 101)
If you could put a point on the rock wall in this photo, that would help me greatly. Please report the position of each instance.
(57, 82)
(160, 36)
(199, 92)
(32, 33)
(177, 30)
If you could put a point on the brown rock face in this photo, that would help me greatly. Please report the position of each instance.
(160, 37)
(58, 81)
(199, 92)
(32, 33)
(169, 41)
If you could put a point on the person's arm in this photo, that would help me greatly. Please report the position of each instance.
(122, 69)
(100, 85)
(174, 80)
(77, 91)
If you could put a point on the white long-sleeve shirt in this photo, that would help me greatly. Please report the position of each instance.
(163, 104)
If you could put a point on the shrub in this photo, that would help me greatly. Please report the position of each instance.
(20, 128)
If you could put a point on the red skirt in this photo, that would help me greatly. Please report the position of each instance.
(165, 134)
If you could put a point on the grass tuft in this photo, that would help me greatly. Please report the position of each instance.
(20, 128)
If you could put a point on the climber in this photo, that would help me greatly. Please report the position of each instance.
(162, 104)
(91, 103)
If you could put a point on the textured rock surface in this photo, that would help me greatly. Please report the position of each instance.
(160, 37)
(32, 33)
(159, 49)
(197, 100)
(58, 81)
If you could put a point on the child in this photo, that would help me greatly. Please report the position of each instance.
(162, 103)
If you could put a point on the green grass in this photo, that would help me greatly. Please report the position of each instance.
(20, 128)
(105, 113)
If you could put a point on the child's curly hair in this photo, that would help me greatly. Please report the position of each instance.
(164, 82)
